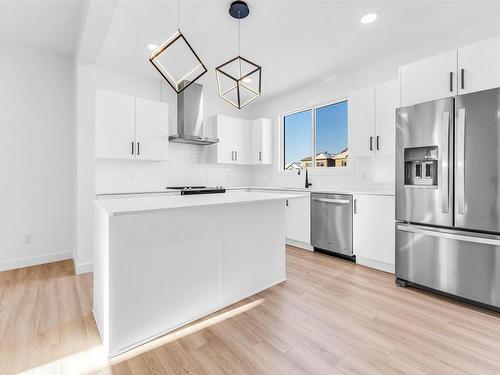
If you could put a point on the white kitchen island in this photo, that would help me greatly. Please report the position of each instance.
(164, 261)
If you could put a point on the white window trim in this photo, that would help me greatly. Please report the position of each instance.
(347, 170)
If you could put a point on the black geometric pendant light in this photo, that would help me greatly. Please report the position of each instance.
(177, 61)
(239, 79)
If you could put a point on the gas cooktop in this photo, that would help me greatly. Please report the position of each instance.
(193, 190)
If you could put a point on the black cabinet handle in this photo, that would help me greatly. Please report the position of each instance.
(451, 81)
(132, 153)
(371, 143)
(377, 143)
(138, 148)
(462, 78)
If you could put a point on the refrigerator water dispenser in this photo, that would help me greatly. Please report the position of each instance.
(421, 166)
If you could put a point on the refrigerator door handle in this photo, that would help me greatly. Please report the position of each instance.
(461, 161)
(445, 158)
(460, 236)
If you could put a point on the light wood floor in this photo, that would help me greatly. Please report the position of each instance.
(329, 317)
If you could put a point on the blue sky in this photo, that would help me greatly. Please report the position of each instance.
(331, 131)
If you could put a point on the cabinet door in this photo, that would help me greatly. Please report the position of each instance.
(114, 125)
(362, 122)
(262, 144)
(479, 62)
(429, 79)
(298, 220)
(225, 132)
(242, 141)
(386, 102)
(373, 228)
(151, 129)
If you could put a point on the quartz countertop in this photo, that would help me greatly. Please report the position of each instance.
(269, 188)
(319, 190)
(141, 204)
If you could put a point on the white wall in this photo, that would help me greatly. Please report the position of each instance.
(364, 173)
(187, 164)
(375, 172)
(36, 156)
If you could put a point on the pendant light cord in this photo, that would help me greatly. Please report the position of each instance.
(178, 15)
(239, 33)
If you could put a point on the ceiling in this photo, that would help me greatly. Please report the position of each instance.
(295, 42)
(48, 25)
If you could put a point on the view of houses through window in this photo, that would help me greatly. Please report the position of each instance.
(328, 126)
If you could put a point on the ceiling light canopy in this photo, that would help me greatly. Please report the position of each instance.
(239, 79)
(176, 60)
(369, 18)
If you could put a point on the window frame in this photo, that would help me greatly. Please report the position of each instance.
(313, 169)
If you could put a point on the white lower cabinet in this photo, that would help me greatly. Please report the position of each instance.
(373, 231)
(298, 222)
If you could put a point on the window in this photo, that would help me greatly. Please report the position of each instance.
(298, 139)
(327, 126)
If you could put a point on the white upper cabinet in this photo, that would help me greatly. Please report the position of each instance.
(372, 119)
(151, 129)
(361, 108)
(429, 79)
(374, 231)
(262, 141)
(131, 128)
(114, 126)
(478, 66)
(224, 148)
(386, 102)
(242, 141)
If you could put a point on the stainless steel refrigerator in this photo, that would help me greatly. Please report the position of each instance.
(448, 196)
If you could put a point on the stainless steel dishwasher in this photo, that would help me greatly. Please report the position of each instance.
(331, 223)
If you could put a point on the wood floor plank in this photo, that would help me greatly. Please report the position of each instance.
(330, 317)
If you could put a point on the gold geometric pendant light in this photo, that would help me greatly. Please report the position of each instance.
(239, 80)
(177, 61)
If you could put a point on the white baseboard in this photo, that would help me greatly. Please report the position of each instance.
(83, 267)
(382, 266)
(34, 261)
(302, 245)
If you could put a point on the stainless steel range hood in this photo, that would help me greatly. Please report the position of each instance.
(190, 118)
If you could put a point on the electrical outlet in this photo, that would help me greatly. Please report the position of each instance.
(28, 238)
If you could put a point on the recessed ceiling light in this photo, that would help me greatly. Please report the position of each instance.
(152, 47)
(247, 80)
(369, 18)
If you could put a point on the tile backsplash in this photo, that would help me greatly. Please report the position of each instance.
(187, 165)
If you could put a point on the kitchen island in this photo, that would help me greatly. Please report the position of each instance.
(163, 262)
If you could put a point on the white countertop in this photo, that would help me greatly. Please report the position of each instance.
(141, 204)
(325, 191)
(270, 188)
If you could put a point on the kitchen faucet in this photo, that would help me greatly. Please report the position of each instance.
(307, 183)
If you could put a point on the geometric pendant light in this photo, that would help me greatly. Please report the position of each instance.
(176, 60)
(239, 80)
